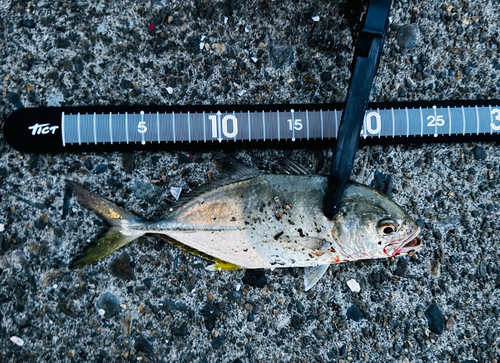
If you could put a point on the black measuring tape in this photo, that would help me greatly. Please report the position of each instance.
(367, 54)
(126, 128)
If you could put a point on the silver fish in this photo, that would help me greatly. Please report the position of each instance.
(257, 221)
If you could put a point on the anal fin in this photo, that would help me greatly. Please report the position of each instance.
(219, 265)
(223, 266)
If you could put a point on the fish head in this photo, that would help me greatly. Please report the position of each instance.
(370, 225)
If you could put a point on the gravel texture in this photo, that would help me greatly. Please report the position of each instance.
(151, 302)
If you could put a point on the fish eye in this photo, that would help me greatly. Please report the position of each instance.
(387, 227)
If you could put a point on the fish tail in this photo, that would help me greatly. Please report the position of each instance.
(119, 234)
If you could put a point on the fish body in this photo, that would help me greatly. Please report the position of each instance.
(267, 221)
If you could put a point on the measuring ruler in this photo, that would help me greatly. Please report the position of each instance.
(126, 128)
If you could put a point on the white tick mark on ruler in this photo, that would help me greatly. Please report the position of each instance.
(249, 127)
(189, 127)
(142, 128)
(477, 120)
(94, 125)
(336, 126)
(463, 120)
(307, 123)
(158, 126)
(126, 126)
(449, 118)
(278, 121)
(421, 122)
(321, 116)
(110, 130)
(407, 123)
(63, 130)
(235, 125)
(379, 128)
(173, 126)
(78, 128)
(204, 129)
(264, 125)
(393, 122)
(435, 118)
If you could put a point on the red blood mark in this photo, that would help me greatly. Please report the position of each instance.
(317, 253)
(191, 156)
(397, 251)
(151, 27)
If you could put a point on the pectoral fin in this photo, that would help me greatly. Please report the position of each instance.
(313, 274)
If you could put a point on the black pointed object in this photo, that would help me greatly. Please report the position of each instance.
(366, 58)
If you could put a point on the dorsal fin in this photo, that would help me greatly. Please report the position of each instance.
(291, 167)
(231, 171)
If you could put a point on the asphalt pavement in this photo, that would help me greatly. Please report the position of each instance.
(152, 302)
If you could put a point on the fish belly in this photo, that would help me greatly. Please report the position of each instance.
(265, 222)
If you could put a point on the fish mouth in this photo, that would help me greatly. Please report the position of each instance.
(413, 246)
(409, 246)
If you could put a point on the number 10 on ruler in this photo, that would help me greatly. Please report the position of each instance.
(221, 126)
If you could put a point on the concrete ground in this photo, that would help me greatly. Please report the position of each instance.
(152, 302)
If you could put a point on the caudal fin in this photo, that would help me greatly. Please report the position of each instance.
(119, 234)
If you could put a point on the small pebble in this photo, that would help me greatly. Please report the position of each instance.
(255, 278)
(354, 313)
(479, 153)
(435, 319)
(449, 323)
(122, 268)
(326, 76)
(109, 304)
(435, 267)
(143, 345)
(180, 329)
(128, 162)
(353, 285)
(101, 169)
(17, 341)
(408, 36)
(211, 314)
(401, 267)
(419, 311)
(483, 269)
(176, 192)
(29, 23)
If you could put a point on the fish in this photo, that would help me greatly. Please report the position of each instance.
(252, 220)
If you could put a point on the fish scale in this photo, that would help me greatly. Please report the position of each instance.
(247, 219)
